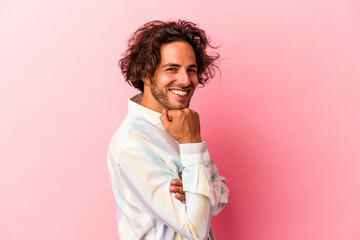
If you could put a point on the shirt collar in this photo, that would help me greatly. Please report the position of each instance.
(146, 113)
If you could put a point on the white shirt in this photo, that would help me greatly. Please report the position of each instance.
(142, 159)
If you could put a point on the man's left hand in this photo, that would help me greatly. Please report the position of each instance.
(176, 187)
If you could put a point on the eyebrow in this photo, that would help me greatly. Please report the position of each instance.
(177, 65)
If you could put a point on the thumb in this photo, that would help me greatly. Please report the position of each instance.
(164, 118)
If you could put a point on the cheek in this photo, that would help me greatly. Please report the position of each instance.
(163, 80)
(195, 81)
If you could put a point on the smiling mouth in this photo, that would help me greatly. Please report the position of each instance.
(182, 93)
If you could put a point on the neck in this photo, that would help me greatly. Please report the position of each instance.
(150, 102)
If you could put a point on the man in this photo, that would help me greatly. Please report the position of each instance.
(164, 182)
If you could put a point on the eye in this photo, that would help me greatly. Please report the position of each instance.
(170, 69)
(192, 70)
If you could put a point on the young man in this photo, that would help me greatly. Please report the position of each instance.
(165, 184)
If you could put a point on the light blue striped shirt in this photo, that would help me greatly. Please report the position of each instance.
(142, 159)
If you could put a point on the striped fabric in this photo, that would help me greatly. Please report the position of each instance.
(142, 160)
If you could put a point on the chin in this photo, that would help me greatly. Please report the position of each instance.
(178, 107)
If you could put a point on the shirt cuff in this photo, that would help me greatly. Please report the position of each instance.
(194, 153)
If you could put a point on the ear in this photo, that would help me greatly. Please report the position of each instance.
(146, 81)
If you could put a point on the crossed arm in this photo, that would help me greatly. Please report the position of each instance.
(148, 179)
(151, 181)
(174, 126)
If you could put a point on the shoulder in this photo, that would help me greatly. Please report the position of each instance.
(133, 133)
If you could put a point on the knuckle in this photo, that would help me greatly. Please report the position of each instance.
(186, 110)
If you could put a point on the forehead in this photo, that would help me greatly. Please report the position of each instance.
(177, 52)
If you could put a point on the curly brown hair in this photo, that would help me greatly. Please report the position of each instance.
(143, 50)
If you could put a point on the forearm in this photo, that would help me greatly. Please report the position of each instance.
(202, 177)
(148, 177)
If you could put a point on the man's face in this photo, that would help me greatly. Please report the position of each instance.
(175, 78)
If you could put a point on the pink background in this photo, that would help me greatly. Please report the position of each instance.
(282, 123)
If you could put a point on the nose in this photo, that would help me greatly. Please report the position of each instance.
(184, 78)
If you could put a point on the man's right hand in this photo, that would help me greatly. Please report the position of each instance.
(182, 125)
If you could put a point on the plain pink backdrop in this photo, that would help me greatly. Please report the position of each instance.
(282, 122)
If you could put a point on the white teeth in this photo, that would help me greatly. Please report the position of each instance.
(178, 92)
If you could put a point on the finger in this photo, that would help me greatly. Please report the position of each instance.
(170, 117)
(164, 118)
(176, 189)
(180, 197)
(176, 182)
(187, 110)
(175, 114)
